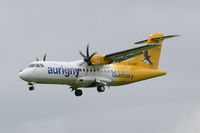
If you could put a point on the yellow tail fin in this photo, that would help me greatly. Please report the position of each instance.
(149, 58)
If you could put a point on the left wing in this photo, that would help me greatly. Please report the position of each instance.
(130, 53)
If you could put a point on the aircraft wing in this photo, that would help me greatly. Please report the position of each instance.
(130, 53)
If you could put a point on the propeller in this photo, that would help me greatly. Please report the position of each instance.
(37, 58)
(44, 57)
(87, 57)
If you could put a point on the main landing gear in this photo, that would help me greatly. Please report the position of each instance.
(100, 88)
(77, 92)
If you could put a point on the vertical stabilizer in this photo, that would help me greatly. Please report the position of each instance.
(150, 58)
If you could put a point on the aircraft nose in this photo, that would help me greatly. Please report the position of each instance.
(23, 75)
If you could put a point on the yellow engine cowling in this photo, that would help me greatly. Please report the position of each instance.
(98, 60)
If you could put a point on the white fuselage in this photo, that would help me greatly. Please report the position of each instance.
(74, 74)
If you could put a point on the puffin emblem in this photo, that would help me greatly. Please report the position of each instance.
(146, 58)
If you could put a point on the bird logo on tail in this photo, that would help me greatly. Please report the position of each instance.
(146, 58)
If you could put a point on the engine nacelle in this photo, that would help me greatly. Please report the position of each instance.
(98, 60)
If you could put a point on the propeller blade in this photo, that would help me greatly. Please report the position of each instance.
(87, 51)
(82, 63)
(45, 56)
(37, 58)
(82, 55)
(92, 55)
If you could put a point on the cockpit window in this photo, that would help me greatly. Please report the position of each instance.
(31, 65)
(41, 65)
(35, 65)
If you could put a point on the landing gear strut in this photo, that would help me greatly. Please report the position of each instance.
(78, 92)
(31, 88)
(100, 88)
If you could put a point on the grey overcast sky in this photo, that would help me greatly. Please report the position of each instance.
(168, 104)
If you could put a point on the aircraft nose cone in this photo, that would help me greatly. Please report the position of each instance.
(23, 75)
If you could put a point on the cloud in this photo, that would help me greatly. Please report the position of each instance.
(191, 124)
(53, 125)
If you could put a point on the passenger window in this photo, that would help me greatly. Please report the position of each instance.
(94, 70)
(90, 70)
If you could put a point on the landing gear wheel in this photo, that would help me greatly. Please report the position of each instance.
(78, 92)
(100, 88)
(31, 88)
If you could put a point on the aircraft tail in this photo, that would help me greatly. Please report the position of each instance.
(150, 58)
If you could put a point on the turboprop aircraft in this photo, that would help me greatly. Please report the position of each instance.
(98, 71)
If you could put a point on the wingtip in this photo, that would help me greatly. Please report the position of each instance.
(175, 35)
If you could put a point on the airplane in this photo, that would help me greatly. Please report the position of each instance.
(115, 69)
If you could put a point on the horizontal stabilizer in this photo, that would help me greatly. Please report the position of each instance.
(157, 38)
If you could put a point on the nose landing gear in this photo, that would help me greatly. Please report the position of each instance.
(31, 88)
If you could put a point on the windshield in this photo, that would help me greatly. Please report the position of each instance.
(31, 65)
(35, 65)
